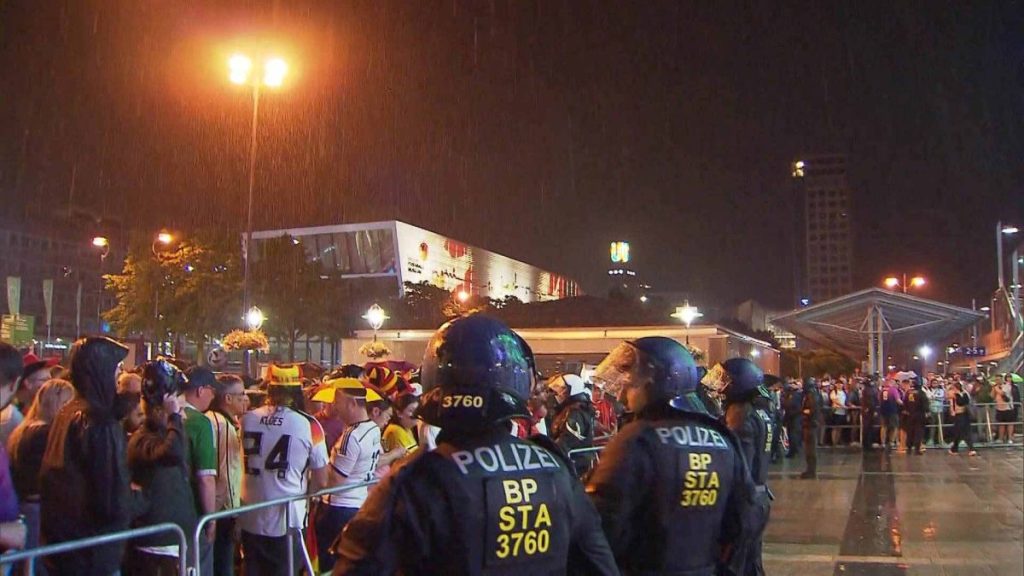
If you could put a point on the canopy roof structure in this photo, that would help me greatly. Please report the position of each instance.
(873, 319)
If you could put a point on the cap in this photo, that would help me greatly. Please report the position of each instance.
(33, 364)
(198, 377)
(349, 386)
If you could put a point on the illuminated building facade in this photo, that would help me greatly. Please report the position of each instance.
(400, 252)
(827, 256)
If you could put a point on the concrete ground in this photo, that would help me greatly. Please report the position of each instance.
(890, 513)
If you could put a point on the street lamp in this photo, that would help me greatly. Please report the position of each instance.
(376, 316)
(892, 283)
(254, 318)
(103, 244)
(241, 72)
(462, 296)
(687, 314)
(163, 238)
(1002, 230)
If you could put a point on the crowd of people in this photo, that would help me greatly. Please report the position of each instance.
(91, 449)
(901, 412)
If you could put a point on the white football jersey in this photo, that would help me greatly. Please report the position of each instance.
(354, 457)
(279, 446)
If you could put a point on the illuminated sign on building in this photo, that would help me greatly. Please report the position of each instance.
(620, 252)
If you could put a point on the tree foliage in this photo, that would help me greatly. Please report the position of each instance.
(192, 289)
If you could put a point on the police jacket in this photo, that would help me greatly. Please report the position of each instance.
(792, 399)
(917, 404)
(674, 494)
(752, 425)
(810, 408)
(573, 428)
(492, 504)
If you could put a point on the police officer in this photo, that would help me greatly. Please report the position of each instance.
(573, 425)
(917, 405)
(748, 413)
(810, 413)
(672, 488)
(483, 502)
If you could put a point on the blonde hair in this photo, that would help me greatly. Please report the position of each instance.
(50, 398)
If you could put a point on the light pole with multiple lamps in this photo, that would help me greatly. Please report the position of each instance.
(164, 239)
(892, 283)
(241, 72)
(687, 314)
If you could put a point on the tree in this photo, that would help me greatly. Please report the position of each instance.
(193, 290)
(287, 287)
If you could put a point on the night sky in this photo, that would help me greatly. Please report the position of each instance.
(542, 129)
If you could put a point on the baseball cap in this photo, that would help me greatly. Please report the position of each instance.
(198, 377)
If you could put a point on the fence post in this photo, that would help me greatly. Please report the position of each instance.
(289, 538)
(988, 424)
(942, 439)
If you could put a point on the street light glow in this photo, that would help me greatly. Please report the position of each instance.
(1010, 230)
(462, 295)
(892, 282)
(254, 318)
(687, 313)
(917, 281)
(925, 351)
(239, 65)
(375, 316)
(100, 242)
(165, 238)
(274, 71)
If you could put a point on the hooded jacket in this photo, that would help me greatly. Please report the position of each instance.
(84, 478)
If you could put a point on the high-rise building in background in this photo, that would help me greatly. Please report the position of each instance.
(622, 278)
(824, 212)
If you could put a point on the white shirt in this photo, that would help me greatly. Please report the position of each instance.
(354, 457)
(838, 397)
(279, 446)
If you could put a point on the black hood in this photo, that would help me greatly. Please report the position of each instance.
(94, 364)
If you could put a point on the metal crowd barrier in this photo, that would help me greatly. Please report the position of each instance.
(984, 423)
(290, 533)
(34, 553)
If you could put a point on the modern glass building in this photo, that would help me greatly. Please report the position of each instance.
(405, 253)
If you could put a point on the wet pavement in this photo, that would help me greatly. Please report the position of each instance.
(885, 514)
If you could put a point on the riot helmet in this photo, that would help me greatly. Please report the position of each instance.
(735, 380)
(660, 366)
(160, 378)
(476, 373)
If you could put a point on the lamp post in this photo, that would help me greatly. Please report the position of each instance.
(240, 69)
(103, 244)
(375, 316)
(1002, 230)
(687, 314)
(892, 283)
(163, 238)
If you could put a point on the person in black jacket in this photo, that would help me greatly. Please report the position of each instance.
(483, 502)
(672, 488)
(84, 479)
(810, 415)
(748, 415)
(917, 414)
(792, 402)
(159, 464)
(869, 411)
(572, 428)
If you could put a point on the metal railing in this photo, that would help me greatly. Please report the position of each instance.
(32, 554)
(290, 533)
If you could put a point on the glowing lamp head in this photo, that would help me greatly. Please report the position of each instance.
(254, 318)
(100, 242)
(375, 316)
(917, 282)
(239, 67)
(165, 238)
(1010, 230)
(892, 282)
(924, 351)
(687, 313)
(274, 71)
(462, 295)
